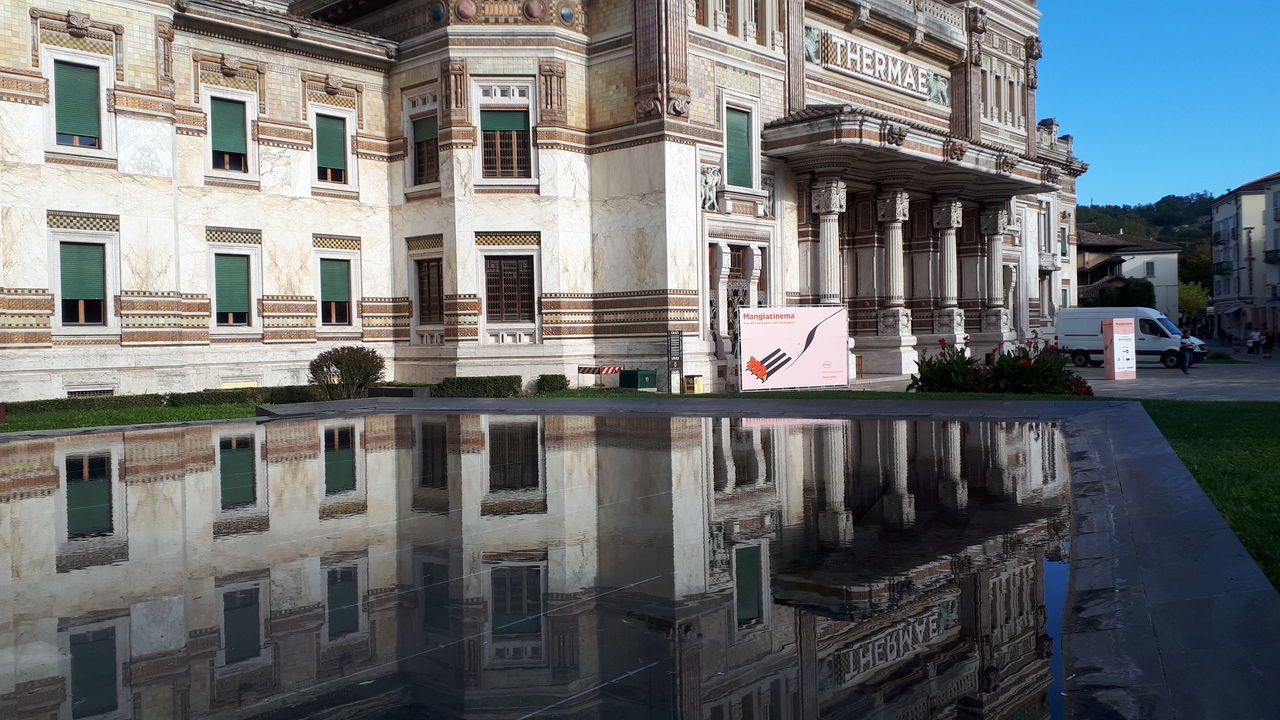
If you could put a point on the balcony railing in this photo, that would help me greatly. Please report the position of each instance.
(1223, 267)
(1271, 256)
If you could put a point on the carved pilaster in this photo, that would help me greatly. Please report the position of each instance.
(995, 223)
(948, 216)
(453, 93)
(893, 208)
(829, 198)
(551, 91)
(661, 58)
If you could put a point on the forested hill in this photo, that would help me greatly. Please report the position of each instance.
(1181, 219)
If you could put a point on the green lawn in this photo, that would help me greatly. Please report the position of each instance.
(18, 422)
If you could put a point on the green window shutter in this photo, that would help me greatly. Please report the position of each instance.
(737, 147)
(425, 129)
(231, 283)
(504, 120)
(88, 507)
(747, 580)
(77, 99)
(331, 142)
(339, 470)
(240, 626)
(83, 271)
(335, 281)
(237, 477)
(227, 119)
(93, 673)
(344, 603)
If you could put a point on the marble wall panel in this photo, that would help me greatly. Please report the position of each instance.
(148, 255)
(684, 246)
(21, 133)
(284, 171)
(145, 147)
(158, 625)
(189, 152)
(24, 251)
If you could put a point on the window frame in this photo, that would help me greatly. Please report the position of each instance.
(50, 54)
(361, 568)
(536, 265)
(261, 505)
(751, 106)
(352, 183)
(358, 460)
(111, 280)
(417, 105)
(521, 96)
(265, 648)
(353, 257)
(254, 252)
(250, 99)
(766, 594)
(416, 290)
(1148, 268)
(121, 627)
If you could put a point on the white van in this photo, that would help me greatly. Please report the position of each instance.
(1157, 339)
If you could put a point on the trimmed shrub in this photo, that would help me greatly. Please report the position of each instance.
(950, 371)
(346, 372)
(106, 402)
(552, 383)
(255, 395)
(1031, 368)
(481, 386)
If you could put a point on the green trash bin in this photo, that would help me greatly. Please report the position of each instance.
(639, 380)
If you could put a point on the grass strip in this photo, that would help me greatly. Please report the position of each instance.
(57, 419)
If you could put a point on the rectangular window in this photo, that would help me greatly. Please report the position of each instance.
(517, 600)
(93, 673)
(76, 106)
(434, 452)
(737, 262)
(737, 147)
(1066, 297)
(344, 602)
(88, 496)
(339, 461)
(513, 456)
(241, 625)
(331, 149)
(430, 292)
(237, 478)
(426, 152)
(506, 143)
(509, 288)
(227, 135)
(335, 292)
(1062, 240)
(84, 287)
(435, 598)
(749, 585)
(1150, 269)
(231, 285)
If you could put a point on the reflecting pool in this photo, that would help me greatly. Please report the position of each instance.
(502, 566)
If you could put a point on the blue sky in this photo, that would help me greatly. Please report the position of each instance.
(1163, 96)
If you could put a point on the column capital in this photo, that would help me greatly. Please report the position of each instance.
(995, 220)
(893, 206)
(948, 214)
(828, 196)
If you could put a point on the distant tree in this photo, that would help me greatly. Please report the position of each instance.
(1192, 299)
(1131, 292)
(1195, 265)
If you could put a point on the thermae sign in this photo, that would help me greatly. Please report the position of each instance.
(850, 57)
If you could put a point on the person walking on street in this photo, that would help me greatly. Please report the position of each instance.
(1186, 354)
(1268, 343)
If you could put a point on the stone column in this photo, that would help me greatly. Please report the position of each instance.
(719, 262)
(828, 198)
(953, 490)
(899, 503)
(948, 216)
(995, 222)
(835, 523)
(892, 210)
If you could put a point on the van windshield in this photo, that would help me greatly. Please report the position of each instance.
(1168, 326)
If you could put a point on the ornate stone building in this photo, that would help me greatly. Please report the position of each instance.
(207, 193)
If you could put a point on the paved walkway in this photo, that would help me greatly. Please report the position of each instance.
(1257, 380)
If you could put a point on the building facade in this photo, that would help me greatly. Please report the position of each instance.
(209, 193)
(1102, 259)
(1246, 258)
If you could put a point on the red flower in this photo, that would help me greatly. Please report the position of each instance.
(1052, 349)
(1025, 362)
(942, 341)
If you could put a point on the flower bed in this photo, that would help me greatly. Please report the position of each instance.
(1033, 367)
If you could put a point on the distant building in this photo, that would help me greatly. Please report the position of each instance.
(1103, 259)
(1246, 257)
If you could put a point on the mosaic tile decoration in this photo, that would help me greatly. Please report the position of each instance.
(336, 242)
(491, 239)
(233, 235)
(63, 220)
(425, 242)
(84, 44)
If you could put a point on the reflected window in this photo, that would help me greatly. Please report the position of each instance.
(434, 452)
(513, 456)
(517, 600)
(435, 598)
(236, 472)
(88, 495)
(93, 673)
(241, 625)
(344, 602)
(748, 585)
(746, 459)
(339, 460)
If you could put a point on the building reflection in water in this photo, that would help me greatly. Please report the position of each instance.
(497, 566)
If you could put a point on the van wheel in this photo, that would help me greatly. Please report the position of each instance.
(1079, 359)
(1169, 360)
